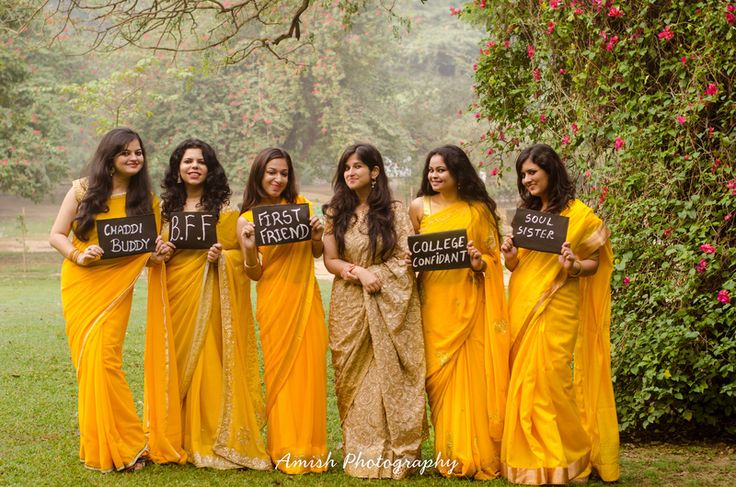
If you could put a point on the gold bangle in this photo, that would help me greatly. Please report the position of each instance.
(580, 269)
(250, 266)
(483, 267)
(74, 255)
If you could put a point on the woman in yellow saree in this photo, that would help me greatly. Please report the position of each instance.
(291, 321)
(216, 362)
(375, 321)
(464, 315)
(97, 296)
(558, 427)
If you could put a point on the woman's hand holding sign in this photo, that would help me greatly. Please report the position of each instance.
(476, 258)
(89, 255)
(510, 253)
(248, 235)
(214, 252)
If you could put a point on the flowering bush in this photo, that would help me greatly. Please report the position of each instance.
(639, 99)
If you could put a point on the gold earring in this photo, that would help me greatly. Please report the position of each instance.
(373, 183)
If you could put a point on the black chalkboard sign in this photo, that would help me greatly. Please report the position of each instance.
(541, 231)
(439, 250)
(127, 236)
(192, 230)
(280, 224)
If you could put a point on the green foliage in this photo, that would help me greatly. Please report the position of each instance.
(639, 98)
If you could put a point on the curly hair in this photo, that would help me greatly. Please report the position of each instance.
(216, 192)
(560, 188)
(254, 192)
(381, 224)
(470, 186)
(99, 170)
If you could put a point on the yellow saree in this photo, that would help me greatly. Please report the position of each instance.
(96, 301)
(378, 357)
(466, 340)
(294, 341)
(215, 366)
(550, 437)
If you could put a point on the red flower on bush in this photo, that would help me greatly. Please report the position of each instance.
(724, 297)
(553, 4)
(455, 11)
(611, 42)
(543, 118)
(627, 281)
(494, 171)
(530, 51)
(683, 59)
(732, 186)
(565, 140)
(550, 27)
(618, 143)
(680, 119)
(666, 34)
(711, 90)
(537, 76)
(702, 266)
(574, 128)
(708, 248)
(667, 232)
(615, 12)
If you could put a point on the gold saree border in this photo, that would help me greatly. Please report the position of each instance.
(200, 327)
(546, 475)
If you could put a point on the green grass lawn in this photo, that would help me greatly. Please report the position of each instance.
(38, 425)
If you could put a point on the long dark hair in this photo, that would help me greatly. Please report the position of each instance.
(216, 192)
(99, 172)
(560, 189)
(469, 185)
(254, 193)
(381, 228)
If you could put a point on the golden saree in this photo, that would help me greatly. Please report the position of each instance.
(467, 345)
(214, 362)
(550, 436)
(96, 301)
(378, 357)
(294, 342)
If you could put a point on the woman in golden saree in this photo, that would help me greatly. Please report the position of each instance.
(210, 314)
(464, 316)
(559, 427)
(97, 296)
(291, 321)
(375, 321)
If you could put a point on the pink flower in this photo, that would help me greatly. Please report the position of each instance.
(494, 171)
(562, 71)
(490, 44)
(587, 173)
(475, 67)
(728, 217)
(565, 140)
(667, 232)
(543, 118)
(574, 128)
(603, 195)
(455, 11)
(482, 3)
(536, 74)
(710, 132)
(715, 165)
(680, 119)
(683, 59)
(611, 42)
(627, 281)
(730, 18)
(578, 11)
(614, 12)
(732, 186)
(702, 266)
(724, 297)
(550, 27)
(530, 51)
(553, 4)
(731, 8)
(506, 43)
(708, 248)
(666, 34)
(711, 90)
(477, 115)
(490, 151)
(618, 143)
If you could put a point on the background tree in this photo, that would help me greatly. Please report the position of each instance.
(639, 98)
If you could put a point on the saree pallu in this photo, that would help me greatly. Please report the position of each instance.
(212, 360)
(378, 358)
(467, 341)
(294, 341)
(550, 436)
(96, 301)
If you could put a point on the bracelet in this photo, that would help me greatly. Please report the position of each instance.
(253, 266)
(74, 255)
(482, 267)
(580, 269)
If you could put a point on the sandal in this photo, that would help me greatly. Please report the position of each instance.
(139, 465)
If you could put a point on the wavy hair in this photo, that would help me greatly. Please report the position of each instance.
(560, 189)
(469, 185)
(99, 170)
(254, 193)
(216, 191)
(381, 224)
